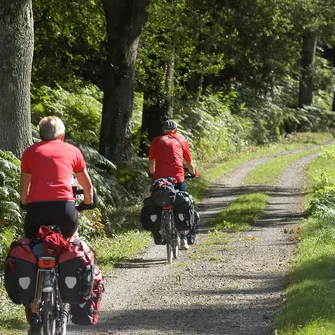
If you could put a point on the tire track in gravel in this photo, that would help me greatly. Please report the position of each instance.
(229, 289)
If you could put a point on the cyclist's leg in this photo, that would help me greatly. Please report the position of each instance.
(181, 186)
(61, 213)
(34, 321)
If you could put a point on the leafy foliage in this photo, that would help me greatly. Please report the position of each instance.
(211, 129)
(10, 214)
(79, 109)
(70, 42)
(323, 184)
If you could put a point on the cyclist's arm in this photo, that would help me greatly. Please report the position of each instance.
(24, 186)
(85, 181)
(191, 167)
(152, 166)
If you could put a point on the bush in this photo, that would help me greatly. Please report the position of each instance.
(80, 111)
(211, 129)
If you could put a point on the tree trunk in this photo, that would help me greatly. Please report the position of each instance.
(16, 54)
(157, 107)
(307, 62)
(153, 115)
(333, 105)
(125, 21)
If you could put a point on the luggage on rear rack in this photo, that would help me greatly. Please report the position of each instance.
(150, 215)
(20, 272)
(88, 312)
(163, 191)
(76, 272)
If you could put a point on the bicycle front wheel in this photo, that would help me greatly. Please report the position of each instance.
(49, 313)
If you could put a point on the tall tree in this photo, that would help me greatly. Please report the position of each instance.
(307, 64)
(16, 53)
(167, 45)
(313, 21)
(125, 21)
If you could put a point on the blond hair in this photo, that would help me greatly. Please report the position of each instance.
(51, 128)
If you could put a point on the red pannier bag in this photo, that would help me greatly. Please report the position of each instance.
(76, 272)
(20, 272)
(88, 313)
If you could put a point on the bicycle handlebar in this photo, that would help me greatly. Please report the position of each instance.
(82, 206)
(191, 176)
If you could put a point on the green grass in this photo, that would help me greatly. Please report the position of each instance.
(112, 251)
(267, 173)
(310, 297)
(12, 317)
(209, 172)
(309, 306)
(240, 214)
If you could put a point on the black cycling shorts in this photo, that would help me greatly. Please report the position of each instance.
(181, 186)
(60, 213)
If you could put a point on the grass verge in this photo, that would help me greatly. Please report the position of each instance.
(241, 214)
(119, 249)
(209, 172)
(12, 317)
(309, 307)
(267, 173)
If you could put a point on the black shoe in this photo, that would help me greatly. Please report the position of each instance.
(191, 237)
(35, 324)
(158, 239)
(35, 330)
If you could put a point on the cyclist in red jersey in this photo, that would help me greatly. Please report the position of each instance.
(47, 168)
(167, 156)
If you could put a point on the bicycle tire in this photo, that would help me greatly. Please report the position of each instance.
(64, 319)
(175, 249)
(167, 217)
(169, 252)
(48, 313)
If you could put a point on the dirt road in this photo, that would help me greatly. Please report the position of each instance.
(231, 288)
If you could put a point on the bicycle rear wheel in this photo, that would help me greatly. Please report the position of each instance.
(49, 313)
(167, 217)
(169, 251)
(175, 249)
(64, 319)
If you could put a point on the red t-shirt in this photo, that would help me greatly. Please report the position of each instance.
(51, 164)
(169, 152)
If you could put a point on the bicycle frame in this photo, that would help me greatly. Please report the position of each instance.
(170, 233)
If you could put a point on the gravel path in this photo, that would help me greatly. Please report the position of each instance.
(230, 288)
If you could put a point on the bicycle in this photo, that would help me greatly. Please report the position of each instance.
(170, 232)
(51, 309)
